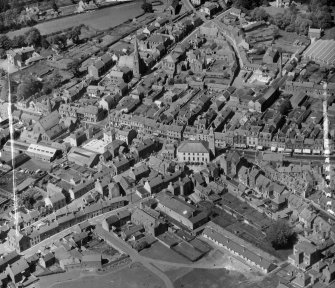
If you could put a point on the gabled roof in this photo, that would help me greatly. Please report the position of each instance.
(19, 266)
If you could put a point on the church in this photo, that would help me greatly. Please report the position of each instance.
(133, 61)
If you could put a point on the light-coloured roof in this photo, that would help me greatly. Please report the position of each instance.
(193, 147)
(42, 150)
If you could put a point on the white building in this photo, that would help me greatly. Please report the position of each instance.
(193, 151)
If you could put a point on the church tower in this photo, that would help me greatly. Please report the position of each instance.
(211, 141)
(49, 106)
(137, 69)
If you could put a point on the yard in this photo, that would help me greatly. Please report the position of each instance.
(161, 252)
(134, 275)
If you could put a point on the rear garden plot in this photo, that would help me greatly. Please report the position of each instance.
(188, 251)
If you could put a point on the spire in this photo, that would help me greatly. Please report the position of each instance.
(137, 61)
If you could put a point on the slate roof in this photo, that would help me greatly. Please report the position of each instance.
(193, 147)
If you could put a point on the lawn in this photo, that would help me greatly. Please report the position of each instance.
(134, 275)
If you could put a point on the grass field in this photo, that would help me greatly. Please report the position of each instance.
(99, 19)
(132, 276)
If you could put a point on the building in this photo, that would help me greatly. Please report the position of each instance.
(82, 188)
(18, 57)
(322, 52)
(47, 260)
(314, 34)
(83, 157)
(150, 220)
(193, 151)
(305, 254)
(41, 152)
(49, 127)
(55, 201)
(230, 163)
(125, 135)
(117, 220)
(169, 64)
(183, 213)
(91, 261)
(251, 255)
(101, 66)
(18, 270)
(138, 63)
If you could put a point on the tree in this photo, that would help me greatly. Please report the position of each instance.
(5, 42)
(54, 5)
(33, 37)
(45, 43)
(147, 7)
(74, 67)
(280, 234)
(4, 6)
(259, 14)
(74, 34)
(60, 41)
(52, 82)
(28, 87)
(18, 41)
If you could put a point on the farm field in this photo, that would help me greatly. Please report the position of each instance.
(100, 19)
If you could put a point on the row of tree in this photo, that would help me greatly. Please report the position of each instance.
(34, 38)
(292, 21)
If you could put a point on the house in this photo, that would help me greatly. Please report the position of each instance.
(125, 135)
(314, 34)
(193, 151)
(56, 201)
(80, 239)
(137, 173)
(173, 7)
(18, 57)
(101, 66)
(150, 220)
(82, 188)
(47, 260)
(17, 270)
(169, 64)
(271, 56)
(307, 217)
(110, 222)
(8, 259)
(305, 254)
(329, 273)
